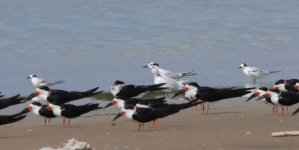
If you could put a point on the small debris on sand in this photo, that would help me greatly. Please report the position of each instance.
(72, 144)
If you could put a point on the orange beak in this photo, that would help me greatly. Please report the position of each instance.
(29, 108)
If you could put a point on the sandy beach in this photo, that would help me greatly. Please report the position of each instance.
(231, 125)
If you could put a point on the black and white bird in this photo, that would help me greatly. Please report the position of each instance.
(194, 92)
(38, 82)
(120, 90)
(69, 111)
(284, 99)
(7, 119)
(143, 115)
(254, 72)
(14, 100)
(61, 96)
(154, 67)
(259, 93)
(40, 110)
(286, 85)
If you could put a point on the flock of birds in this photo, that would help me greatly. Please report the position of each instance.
(51, 103)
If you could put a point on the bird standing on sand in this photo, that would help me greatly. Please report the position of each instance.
(40, 110)
(38, 82)
(62, 96)
(254, 72)
(143, 115)
(194, 92)
(69, 111)
(286, 85)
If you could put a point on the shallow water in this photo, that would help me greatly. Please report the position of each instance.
(93, 43)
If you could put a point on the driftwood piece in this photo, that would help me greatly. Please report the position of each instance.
(285, 133)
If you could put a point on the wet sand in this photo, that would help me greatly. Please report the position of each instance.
(231, 125)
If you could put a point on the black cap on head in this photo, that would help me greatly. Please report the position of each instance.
(193, 84)
(117, 82)
(36, 103)
(281, 81)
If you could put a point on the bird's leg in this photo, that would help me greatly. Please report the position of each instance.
(202, 106)
(49, 122)
(154, 123)
(287, 111)
(157, 122)
(142, 124)
(207, 110)
(69, 122)
(45, 122)
(273, 110)
(63, 124)
(139, 127)
(276, 109)
(282, 110)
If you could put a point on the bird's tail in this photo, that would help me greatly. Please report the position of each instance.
(89, 107)
(274, 71)
(56, 82)
(190, 73)
(231, 93)
(88, 93)
(15, 100)
(156, 87)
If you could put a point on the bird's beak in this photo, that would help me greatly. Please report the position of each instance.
(31, 96)
(26, 110)
(296, 86)
(49, 107)
(28, 78)
(145, 67)
(113, 102)
(255, 94)
(183, 90)
(262, 97)
(121, 113)
(295, 112)
(240, 67)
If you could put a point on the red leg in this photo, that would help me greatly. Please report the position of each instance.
(202, 108)
(139, 127)
(63, 124)
(45, 123)
(208, 107)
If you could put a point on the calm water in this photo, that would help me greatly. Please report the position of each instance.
(94, 42)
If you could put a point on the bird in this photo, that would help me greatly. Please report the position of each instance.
(6, 119)
(194, 92)
(259, 93)
(38, 82)
(286, 85)
(144, 103)
(61, 96)
(143, 115)
(170, 74)
(14, 100)
(40, 110)
(69, 111)
(120, 90)
(284, 99)
(254, 72)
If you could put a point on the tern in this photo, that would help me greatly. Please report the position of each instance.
(254, 72)
(38, 82)
(170, 74)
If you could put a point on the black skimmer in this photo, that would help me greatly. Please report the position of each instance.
(38, 82)
(61, 96)
(14, 100)
(194, 92)
(143, 114)
(40, 110)
(259, 93)
(286, 85)
(122, 91)
(6, 119)
(69, 111)
(284, 99)
(254, 72)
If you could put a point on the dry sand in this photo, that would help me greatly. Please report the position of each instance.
(231, 125)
